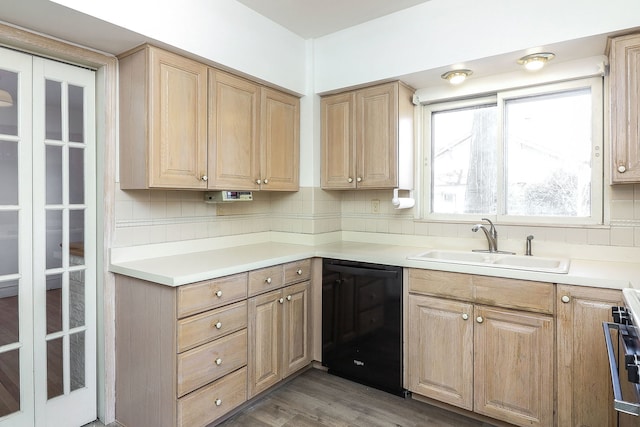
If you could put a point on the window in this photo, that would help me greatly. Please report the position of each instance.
(528, 156)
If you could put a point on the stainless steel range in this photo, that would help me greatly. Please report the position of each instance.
(622, 337)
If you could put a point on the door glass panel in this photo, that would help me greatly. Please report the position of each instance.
(76, 237)
(54, 175)
(76, 347)
(9, 382)
(76, 176)
(76, 298)
(8, 242)
(54, 239)
(55, 383)
(8, 172)
(54, 303)
(8, 103)
(9, 319)
(53, 110)
(76, 114)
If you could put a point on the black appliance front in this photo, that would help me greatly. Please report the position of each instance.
(362, 323)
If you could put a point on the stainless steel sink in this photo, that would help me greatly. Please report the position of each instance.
(497, 260)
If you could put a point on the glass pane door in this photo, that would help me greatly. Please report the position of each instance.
(16, 326)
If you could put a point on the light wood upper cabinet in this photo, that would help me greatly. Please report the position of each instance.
(184, 125)
(471, 345)
(367, 138)
(624, 81)
(163, 120)
(585, 397)
(234, 149)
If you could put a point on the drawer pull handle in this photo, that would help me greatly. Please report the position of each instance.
(218, 325)
(622, 168)
(204, 178)
(359, 179)
(299, 272)
(218, 361)
(258, 181)
(218, 402)
(266, 181)
(465, 316)
(479, 319)
(350, 180)
(288, 297)
(281, 300)
(219, 293)
(268, 280)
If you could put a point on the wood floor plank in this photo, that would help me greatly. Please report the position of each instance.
(318, 399)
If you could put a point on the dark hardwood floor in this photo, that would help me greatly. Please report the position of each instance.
(316, 398)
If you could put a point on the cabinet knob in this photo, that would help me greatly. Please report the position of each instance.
(359, 179)
(281, 300)
(350, 179)
(565, 299)
(258, 181)
(266, 181)
(288, 297)
(218, 325)
(479, 319)
(204, 178)
(622, 169)
(465, 316)
(218, 293)
(218, 361)
(268, 280)
(299, 272)
(218, 402)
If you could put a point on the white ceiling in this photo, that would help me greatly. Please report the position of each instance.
(316, 18)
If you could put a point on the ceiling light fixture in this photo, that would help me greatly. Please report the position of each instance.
(6, 100)
(456, 77)
(536, 61)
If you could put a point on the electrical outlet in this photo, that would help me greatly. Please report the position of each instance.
(375, 206)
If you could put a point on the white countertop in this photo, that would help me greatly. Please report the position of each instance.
(188, 267)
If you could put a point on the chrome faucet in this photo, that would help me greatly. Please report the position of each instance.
(491, 234)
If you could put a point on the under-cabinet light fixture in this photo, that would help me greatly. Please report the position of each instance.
(456, 77)
(536, 61)
(6, 100)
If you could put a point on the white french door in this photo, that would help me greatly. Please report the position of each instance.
(47, 243)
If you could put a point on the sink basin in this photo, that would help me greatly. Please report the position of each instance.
(497, 260)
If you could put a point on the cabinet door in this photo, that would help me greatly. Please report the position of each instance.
(178, 129)
(513, 366)
(234, 154)
(280, 140)
(377, 136)
(265, 324)
(296, 349)
(625, 111)
(440, 350)
(338, 141)
(584, 387)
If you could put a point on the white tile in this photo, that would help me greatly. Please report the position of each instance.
(598, 237)
(622, 236)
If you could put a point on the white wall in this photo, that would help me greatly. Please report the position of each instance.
(223, 31)
(440, 33)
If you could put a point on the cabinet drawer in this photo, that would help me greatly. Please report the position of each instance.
(265, 279)
(298, 271)
(512, 293)
(441, 283)
(210, 325)
(213, 401)
(203, 296)
(211, 361)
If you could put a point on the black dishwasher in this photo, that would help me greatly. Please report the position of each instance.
(362, 323)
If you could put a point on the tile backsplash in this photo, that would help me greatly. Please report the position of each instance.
(155, 216)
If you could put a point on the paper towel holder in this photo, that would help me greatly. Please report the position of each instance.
(402, 202)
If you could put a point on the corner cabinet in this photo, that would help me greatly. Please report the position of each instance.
(184, 125)
(482, 344)
(163, 120)
(624, 84)
(367, 138)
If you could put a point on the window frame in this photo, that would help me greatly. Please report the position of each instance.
(499, 98)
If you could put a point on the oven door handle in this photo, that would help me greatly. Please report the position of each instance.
(618, 404)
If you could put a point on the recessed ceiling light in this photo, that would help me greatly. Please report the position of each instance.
(456, 77)
(536, 61)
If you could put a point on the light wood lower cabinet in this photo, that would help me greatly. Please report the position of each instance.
(492, 360)
(585, 396)
(279, 341)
